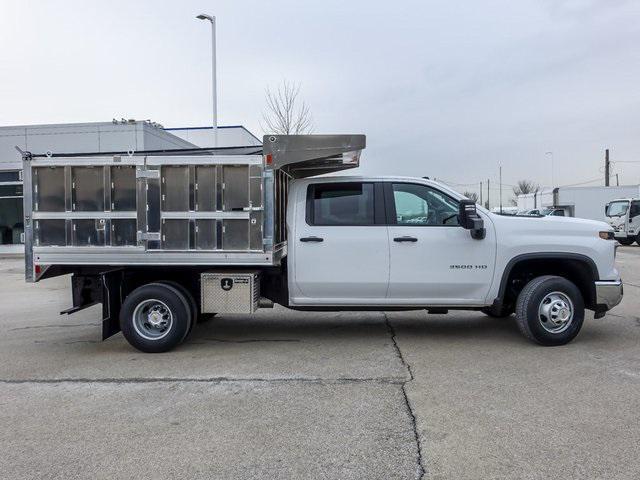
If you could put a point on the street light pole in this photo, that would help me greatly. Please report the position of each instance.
(551, 153)
(500, 188)
(214, 83)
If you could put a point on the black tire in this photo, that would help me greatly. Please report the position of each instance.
(638, 239)
(193, 306)
(170, 300)
(530, 321)
(497, 313)
(626, 241)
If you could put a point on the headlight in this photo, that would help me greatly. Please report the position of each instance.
(606, 235)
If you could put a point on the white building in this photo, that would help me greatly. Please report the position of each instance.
(115, 136)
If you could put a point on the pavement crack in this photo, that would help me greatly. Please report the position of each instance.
(420, 471)
(634, 317)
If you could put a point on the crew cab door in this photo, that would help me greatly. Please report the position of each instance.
(433, 260)
(339, 247)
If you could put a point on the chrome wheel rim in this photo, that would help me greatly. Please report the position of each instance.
(555, 312)
(152, 319)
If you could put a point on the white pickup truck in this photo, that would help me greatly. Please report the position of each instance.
(161, 238)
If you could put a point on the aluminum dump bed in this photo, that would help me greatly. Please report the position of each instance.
(210, 206)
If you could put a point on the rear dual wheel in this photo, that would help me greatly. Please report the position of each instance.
(193, 306)
(626, 241)
(156, 317)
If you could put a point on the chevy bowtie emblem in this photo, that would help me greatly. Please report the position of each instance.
(226, 284)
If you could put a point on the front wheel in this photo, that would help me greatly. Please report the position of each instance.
(550, 310)
(626, 241)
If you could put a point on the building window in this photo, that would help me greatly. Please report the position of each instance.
(11, 216)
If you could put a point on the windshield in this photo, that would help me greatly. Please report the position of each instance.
(617, 209)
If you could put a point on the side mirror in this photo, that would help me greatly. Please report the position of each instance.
(470, 220)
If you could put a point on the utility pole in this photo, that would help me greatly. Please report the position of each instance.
(488, 196)
(481, 194)
(606, 167)
(500, 188)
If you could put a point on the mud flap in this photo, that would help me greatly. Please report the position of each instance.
(111, 303)
(103, 287)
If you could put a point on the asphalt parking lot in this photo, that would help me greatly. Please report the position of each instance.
(316, 395)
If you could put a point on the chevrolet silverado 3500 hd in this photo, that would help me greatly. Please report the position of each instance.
(162, 237)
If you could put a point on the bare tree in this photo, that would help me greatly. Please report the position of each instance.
(525, 186)
(471, 196)
(286, 113)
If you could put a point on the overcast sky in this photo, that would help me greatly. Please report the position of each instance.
(447, 89)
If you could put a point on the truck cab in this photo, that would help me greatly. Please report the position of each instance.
(406, 243)
(624, 216)
(389, 241)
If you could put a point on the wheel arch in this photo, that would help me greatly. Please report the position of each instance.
(578, 268)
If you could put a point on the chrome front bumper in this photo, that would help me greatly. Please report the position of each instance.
(609, 293)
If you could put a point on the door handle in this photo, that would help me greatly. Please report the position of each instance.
(312, 239)
(405, 239)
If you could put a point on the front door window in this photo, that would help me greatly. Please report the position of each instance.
(421, 205)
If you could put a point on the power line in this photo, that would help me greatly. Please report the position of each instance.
(582, 183)
(508, 185)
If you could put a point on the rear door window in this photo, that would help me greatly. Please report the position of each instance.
(341, 204)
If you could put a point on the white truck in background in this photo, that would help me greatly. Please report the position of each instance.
(579, 202)
(623, 215)
(160, 238)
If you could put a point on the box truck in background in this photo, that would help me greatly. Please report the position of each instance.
(623, 214)
(580, 202)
